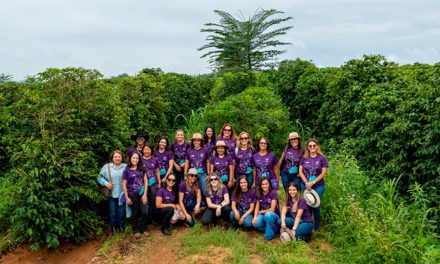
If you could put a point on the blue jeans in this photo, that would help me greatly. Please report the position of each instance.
(203, 184)
(190, 209)
(303, 230)
(267, 223)
(287, 178)
(317, 211)
(247, 220)
(116, 212)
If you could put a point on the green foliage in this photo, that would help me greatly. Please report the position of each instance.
(244, 44)
(371, 223)
(230, 83)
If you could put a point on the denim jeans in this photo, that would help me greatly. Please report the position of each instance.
(303, 230)
(116, 212)
(267, 223)
(203, 184)
(287, 178)
(317, 211)
(247, 220)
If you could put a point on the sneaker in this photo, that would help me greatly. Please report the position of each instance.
(146, 233)
(137, 235)
(165, 231)
(113, 228)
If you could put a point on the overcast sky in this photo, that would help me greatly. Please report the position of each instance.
(125, 36)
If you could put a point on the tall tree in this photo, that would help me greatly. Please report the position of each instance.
(244, 44)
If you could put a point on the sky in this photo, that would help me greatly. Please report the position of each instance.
(125, 36)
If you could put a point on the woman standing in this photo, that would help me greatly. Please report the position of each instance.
(312, 170)
(135, 186)
(110, 177)
(217, 198)
(190, 197)
(222, 164)
(140, 138)
(265, 164)
(179, 149)
(197, 157)
(266, 213)
(209, 139)
(166, 204)
(289, 161)
(295, 214)
(227, 135)
(243, 158)
(164, 158)
(152, 171)
(243, 204)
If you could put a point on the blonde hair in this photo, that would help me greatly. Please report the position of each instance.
(239, 141)
(209, 189)
(318, 149)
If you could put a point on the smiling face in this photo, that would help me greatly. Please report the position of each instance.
(312, 146)
(209, 132)
(171, 180)
(162, 144)
(220, 150)
(294, 142)
(197, 143)
(134, 159)
(147, 152)
(192, 178)
(262, 144)
(243, 185)
(227, 132)
(214, 181)
(293, 191)
(140, 141)
(117, 159)
(265, 185)
(180, 136)
(244, 139)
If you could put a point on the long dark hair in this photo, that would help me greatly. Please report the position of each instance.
(237, 191)
(167, 147)
(300, 149)
(139, 166)
(148, 145)
(192, 143)
(289, 198)
(268, 144)
(205, 137)
(260, 190)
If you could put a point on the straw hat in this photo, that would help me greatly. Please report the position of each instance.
(197, 136)
(293, 135)
(193, 171)
(221, 143)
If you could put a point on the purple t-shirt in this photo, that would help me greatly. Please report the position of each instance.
(163, 159)
(302, 204)
(266, 200)
(179, 151)
(313, 167)
(230, 143)
(209, 146)
(168, 197)
(197, 158)
(218, 196)
(150, 166)
(188, 195)
(135, 181)
(292, 157)
(221, 165)
(265, 165)
(243, 161)
(246, 200)
(133, 150)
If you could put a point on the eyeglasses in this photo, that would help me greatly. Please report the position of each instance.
(171, 180)
(141, 138)
(312, 146)
(213, 179)
(263, 143)
(192, 175)
(244, 138)
(227, 129)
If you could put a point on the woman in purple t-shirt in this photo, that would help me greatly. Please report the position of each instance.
(217, 199)
(190, 197)
(166, 205)
(198, 158)
(243, 158)
(265, 163)
(140, 138)
(266, 212)
(153, 176)
(295, 214)
(312, 170)
(209, 139)
(164, 158)
(222, 164)
(227, 135)
(289, 161)
(179, 149)
(243, 204)
(135, 185)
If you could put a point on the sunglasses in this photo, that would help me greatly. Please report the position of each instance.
(141, 138)
(213, 179)
(229, 130)
(312, 146)
(192, 175)
(171, 180)
(263, 143)
(244, 138)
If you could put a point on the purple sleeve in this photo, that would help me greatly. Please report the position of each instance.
(274, 195)
(274, 160)
(160, 192)
(233, 199)
(187, 154)
(302, 161)
(324, 162)
(230, 161)
(302, 204)
(124, 174)
(253, 196)
(225, 190)
(212, 159)
(182, 187)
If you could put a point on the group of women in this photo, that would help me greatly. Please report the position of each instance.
(216, 177)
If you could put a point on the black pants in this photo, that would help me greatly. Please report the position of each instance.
(138, 209)
(209, 215)
(151, 201)
(164, 216)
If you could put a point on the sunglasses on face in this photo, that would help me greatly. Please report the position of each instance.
(142, 139)
(171, 180)
(227, 129)
(213, 179)
(192, 175)
(312, 146)
(244, 138)
(263, 143)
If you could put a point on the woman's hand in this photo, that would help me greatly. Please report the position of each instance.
(109, 186)
(254, 221)
(144, 199)
(188, 217)
(178, 168)
(230, 184)
(197, 209)
(128, 200)
(309, 185)
(240, 222)
(283, 227)
(236, 215)
(218, 211)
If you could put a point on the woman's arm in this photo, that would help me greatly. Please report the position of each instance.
(159, 203)
(231, 175)
(186, 167)
(210, 204)
(273, 206)
(297, 219)
(170, 167)
(182, 206)
(248, 212)
(283, 216)
(225, 200)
